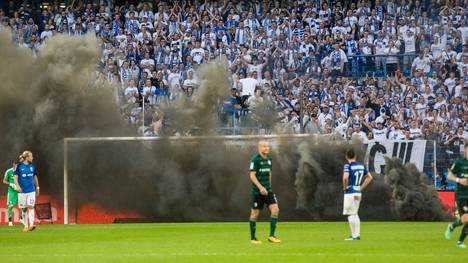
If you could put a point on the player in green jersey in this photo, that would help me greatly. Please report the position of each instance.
(459, 173)
(262, 194)
(12, 199)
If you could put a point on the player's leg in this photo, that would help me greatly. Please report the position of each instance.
(357, 220)
(274, 212)
(347, 205)
(10, 215)
(464, 232)
(462, 206)
(351, 208)
(357, 226)
(253, 225)
(31, 201)
(24, 218)
(22, 205)
(257, 205)
(457, 222)
(10, 204)
(16, 203)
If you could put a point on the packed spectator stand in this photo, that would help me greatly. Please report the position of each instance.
(372, 69)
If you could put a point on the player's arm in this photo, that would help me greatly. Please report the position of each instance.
(18, 188)
(345, 180)
(367, 125)
(452, 177)
(16, 173)
(36, 183)
(253, 178)
(5, 181)
(367, 181)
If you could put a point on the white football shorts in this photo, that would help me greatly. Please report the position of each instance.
(350, 205)
(26, 199)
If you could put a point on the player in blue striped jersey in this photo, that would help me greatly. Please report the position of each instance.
(356, 178)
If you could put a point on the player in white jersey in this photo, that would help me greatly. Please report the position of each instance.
(356, 178)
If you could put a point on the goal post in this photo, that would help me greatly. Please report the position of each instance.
(70, 140)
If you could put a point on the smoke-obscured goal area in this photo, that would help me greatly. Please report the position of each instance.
(207, 180)
(162, 180)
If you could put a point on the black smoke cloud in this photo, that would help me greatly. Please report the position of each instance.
(319, 181)
(414, 198)
(207, 179)
(44, 99)
(401, 193)
(200, 113)
(265, 114)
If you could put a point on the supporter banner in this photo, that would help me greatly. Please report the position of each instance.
(407, 151)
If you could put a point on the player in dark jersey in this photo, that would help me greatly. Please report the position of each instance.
(459, 174)
(356, 178)
(262, 194)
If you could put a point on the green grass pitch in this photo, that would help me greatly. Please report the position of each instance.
(229, 242)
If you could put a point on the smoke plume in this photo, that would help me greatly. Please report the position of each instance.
(414, 198)
(46, 98)
(54, 95)
(265, 113)
(200, 113)
(319, 181)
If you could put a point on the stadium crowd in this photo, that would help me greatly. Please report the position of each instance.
(393, 69)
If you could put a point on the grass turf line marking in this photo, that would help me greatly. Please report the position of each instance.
(229, 254)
